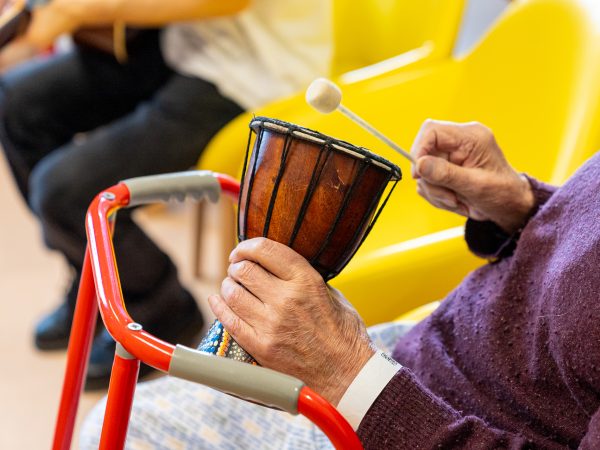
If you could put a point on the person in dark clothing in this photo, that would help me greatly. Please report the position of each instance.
(74, 124)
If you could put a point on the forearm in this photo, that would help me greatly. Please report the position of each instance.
(146, 12)
(65, 16)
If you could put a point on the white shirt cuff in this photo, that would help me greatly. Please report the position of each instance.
(366, 387)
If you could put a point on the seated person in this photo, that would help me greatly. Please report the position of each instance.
(76, 123)
(510, 359)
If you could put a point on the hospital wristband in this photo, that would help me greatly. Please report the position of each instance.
(366, 387)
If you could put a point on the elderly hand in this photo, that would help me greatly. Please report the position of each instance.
(278, 308)
(460, 168)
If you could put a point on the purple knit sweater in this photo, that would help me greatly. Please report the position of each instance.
(511, 359)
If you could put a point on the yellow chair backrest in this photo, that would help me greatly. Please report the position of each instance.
(369, 31)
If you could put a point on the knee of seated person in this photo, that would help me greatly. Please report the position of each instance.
(20, 112)
(53, 195)
(7, 106)
(3, 98)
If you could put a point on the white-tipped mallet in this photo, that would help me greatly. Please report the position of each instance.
(325, 96)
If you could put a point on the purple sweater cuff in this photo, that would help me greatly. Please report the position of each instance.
(488, 240)
(407, 415)
(404, 414)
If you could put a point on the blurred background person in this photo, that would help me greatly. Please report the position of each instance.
(80, 121)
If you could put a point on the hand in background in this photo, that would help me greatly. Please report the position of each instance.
(6, 5)
(18, 50)
(461, 168)
(15, 53)
(48, 22)
(278, 308)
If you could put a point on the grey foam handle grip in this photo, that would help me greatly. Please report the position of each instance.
(249, 382)
(196, 184)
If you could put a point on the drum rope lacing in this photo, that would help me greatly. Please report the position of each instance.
(314, 181)
(282, 166)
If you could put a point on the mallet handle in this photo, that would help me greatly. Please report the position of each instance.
(374, 132)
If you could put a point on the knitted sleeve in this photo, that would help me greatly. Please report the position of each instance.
(407, 415)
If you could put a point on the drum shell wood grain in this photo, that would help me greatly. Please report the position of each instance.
(328, 233)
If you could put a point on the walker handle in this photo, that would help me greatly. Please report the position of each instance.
(196, 184)
(254, 383)
(264, 386)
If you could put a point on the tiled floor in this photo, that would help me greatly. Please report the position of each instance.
(31, 281)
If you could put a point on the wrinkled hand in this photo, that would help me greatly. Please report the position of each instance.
(461, 168)
(278, 308)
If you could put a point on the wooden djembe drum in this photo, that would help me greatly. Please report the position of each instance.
(318, 195)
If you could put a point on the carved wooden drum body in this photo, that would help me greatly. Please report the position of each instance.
(318, 195)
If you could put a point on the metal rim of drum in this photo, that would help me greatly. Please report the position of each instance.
(283, 128)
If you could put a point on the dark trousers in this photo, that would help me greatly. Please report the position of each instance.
(77, 123)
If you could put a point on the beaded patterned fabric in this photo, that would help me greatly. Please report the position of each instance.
(220, 343)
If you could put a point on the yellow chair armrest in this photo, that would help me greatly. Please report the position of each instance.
(418, 314)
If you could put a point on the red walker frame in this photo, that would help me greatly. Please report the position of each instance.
(100, 279)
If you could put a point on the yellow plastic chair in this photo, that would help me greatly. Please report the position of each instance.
(534, 79)
(380, 34)
(372, 31)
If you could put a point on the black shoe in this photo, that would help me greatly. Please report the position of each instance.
(52, 332)
(177, 327)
